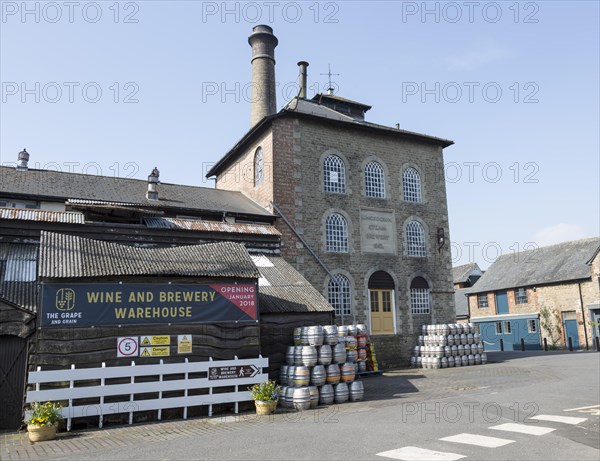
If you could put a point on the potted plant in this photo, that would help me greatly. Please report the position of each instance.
(43, 420)
(265, 397)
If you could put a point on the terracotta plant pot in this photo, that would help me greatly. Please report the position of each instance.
(41, 433)
(265, 407)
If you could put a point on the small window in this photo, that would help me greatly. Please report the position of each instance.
(338, 292)
(334, 174)
(374, 180)
(507, 329)
(336, 233)
(419, 296)
(411, 184)
(259, 167)
(531, 326)
(415, 239)
(521, 296)
(498, 328)
(482, 300)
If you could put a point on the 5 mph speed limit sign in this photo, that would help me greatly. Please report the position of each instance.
(128, 347)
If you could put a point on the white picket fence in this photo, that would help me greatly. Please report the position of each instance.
(38, 378)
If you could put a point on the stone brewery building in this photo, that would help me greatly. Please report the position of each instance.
(362, 207)
(313, 204)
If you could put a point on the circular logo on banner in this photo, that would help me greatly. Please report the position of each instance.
(127, 347)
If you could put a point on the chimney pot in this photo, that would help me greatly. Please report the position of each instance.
(152, 193)
(303, 78)
(22, 160)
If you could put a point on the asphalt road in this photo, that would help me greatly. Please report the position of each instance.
(459, 411)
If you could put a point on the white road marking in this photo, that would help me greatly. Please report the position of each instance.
(420, 454)
(479, 440)
(559, 419)
(583, 408)
(522, 429)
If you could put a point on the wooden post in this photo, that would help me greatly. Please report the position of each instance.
(522, 345)
(502, 344)
(597, 343)
(546, 344)
(570, 344)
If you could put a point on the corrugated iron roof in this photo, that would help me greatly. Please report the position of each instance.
(68, 256)
(210, 226)
(23, 214)
(17, 278)
(287, 289)
(62, 185)
(563, 262)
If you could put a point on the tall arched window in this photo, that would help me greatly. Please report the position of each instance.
(374, 180)
(334, 174)
(419, 296)
(411, 183)
(336, 233)
(259, 167)
(415, 239)
(338, 293)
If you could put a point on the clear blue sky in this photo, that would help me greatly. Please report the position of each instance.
(515, 85)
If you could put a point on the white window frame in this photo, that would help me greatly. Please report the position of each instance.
(531, 326)
(420, 302)
(411, 185)
(338, 294)
(507, 327)
(336, 233)
(480, 299)
(259, 167)
(521, 296)
(374, 180)
(334, 174)
(415, 239)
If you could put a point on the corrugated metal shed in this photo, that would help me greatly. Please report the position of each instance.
(22, 214)
(62, 186)
(18, 274)
(284, 290)
(210, 226)
(563, 262)
(68, 256)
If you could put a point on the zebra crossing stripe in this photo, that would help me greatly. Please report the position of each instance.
(479, 440)
(522, 429)
(420, 454)
(560, 419)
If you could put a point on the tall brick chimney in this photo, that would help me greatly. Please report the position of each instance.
(263, 44)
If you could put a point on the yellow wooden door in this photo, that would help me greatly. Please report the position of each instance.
(382, 313)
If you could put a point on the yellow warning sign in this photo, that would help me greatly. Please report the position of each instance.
(154, 351)
(184, 344)
(155, 340)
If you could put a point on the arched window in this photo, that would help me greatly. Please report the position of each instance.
(338, 293)
(415, 239)
(419, 296)
(334, 174)
(411, 183)
(336, 233)
(374, 180)
(259, 167)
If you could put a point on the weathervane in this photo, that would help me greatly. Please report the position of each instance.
(330, 85)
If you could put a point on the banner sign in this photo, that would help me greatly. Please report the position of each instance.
(88, 304)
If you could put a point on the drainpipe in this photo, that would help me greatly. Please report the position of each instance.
(310, 250)
(587, 346)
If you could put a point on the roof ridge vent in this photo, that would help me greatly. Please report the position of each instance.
(22, 160)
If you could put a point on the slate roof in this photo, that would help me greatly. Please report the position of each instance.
(282, 289)
(461, 302)
(311, 108)
(23, 260)
(563, 262)
(460, 274)
(62, 186)
(67, 256)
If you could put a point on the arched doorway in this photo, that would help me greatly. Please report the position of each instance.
(381, 302)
